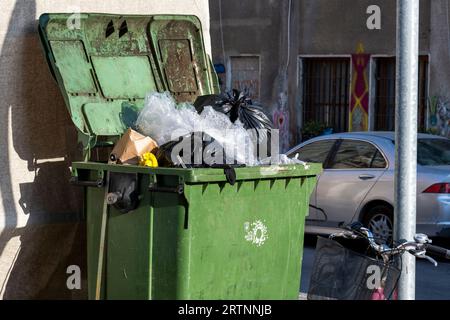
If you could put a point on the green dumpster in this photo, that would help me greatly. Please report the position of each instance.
(192, 233)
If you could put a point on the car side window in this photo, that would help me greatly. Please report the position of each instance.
(353, 154)
(378, 161)
(315, 151)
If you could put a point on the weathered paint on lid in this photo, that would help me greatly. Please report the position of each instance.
(106, 64)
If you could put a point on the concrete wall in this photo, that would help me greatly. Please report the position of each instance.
(319, 27)
(40, 232)
(251, 28)
(337, 26)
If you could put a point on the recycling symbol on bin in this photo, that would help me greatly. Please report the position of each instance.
(256, 232)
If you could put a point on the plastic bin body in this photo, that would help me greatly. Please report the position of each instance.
(214, 241)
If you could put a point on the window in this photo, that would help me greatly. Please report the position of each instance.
(325, 96)
(245, 75)
(433, 152)
(354, 154)
(315, 151)
(378, 161)
(385, 93)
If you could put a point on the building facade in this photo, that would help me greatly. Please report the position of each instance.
(330, 62)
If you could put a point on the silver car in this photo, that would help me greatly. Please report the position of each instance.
(357, 183)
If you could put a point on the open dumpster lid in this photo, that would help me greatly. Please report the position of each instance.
(105, 65)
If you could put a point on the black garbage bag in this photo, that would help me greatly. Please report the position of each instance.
(204, 151)
(236, 105)
(123, 191)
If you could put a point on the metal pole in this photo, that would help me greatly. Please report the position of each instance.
(406, 137)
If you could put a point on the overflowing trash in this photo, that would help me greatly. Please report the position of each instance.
(148, 159)
(162, 119)
(210, 135)
(181, 152)
(284, 159)
(217, 131)
(237, 105)
(131, 146)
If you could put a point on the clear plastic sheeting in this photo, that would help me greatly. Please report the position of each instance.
(283, 159)
(161, 120)
(164, 121)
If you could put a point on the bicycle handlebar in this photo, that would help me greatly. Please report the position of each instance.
(438, 251)
(418, 247)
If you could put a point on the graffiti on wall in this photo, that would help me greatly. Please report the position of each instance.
(439, 115)
(359, 102)
(281, 121)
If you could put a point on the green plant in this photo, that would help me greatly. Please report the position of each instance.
(312, 129)
(434, 131)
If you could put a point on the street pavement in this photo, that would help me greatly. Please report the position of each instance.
(432, 283)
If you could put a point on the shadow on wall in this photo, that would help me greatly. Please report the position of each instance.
(43, 136)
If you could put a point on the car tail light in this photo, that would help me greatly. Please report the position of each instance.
(438, 188)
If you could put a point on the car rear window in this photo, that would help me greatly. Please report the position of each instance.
(315, 151)
(433, 152)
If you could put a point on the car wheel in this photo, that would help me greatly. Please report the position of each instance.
(379, 220)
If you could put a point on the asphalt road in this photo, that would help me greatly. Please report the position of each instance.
(432, 283)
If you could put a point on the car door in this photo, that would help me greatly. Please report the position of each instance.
(352, 170)
(316, 152)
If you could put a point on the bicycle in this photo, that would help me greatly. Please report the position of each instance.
(351, 265)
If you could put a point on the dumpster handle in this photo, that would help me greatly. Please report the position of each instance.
(179, 190)
(96, 183)
(153, 187)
